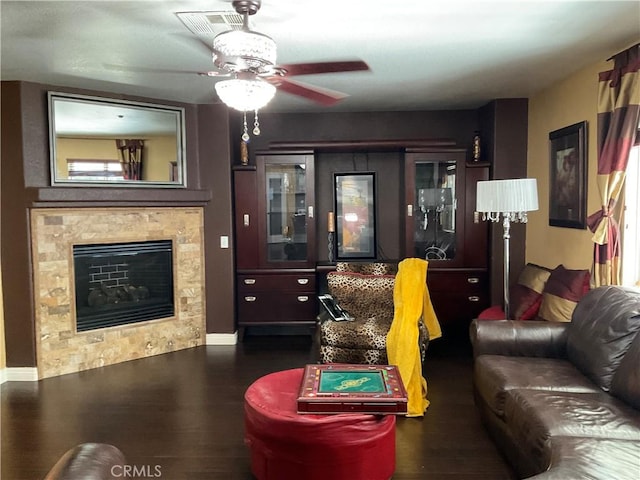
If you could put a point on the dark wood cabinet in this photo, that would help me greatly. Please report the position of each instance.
(458, 295)
(440, 226)
(277, 245)
(246, 217)
(275, 240)
(276, 298)
(434, 223)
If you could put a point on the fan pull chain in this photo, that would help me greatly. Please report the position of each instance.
(245, 134)
(256, 124)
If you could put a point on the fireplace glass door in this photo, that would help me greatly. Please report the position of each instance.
(122, 283)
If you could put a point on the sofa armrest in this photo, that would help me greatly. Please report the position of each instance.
(518, 338)
(98, 461)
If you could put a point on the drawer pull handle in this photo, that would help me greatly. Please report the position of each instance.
(473, 280)
(249, 281)
(303, 298)
(250, 299)
(474, 298)
(303, 281)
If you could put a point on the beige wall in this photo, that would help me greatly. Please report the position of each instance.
(159, 151)
(564, 103)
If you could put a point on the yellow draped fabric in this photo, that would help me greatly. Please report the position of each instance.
(411, 302)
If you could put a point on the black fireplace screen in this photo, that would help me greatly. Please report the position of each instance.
(122, 283)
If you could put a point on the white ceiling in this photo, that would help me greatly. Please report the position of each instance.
(428, 54)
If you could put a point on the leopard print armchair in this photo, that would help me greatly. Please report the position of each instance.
(365, 291)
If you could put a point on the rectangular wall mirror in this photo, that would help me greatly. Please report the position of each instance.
(108, 142)
(355, 206)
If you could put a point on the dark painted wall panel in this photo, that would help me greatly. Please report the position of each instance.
(14, 231)
(214, 171)
(504, 123)
(25, 184)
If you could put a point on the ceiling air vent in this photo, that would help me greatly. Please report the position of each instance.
(210, 23)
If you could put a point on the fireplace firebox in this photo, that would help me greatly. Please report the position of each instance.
(123, 283)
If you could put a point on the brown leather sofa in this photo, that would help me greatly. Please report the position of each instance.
(562, 400)
(90, 461)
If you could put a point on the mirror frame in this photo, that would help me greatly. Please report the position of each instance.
(179, 112)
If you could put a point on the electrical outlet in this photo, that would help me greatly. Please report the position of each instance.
(224, 241)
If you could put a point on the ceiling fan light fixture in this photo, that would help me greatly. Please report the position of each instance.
(245, 94)
(242, 49)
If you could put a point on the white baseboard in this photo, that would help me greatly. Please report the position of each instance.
(19, 374)
(222, 338)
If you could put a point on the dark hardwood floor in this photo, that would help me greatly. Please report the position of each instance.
(183, 412)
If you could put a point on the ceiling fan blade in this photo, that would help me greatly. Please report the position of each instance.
(319, 95)
(324, 67)
(128, 68)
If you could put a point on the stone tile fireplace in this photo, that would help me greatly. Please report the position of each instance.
(60, 347)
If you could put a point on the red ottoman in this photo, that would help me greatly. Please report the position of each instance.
(288, 446)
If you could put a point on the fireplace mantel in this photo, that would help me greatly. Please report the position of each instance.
(79, 197)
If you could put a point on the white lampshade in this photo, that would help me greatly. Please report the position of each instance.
(516, 195)
(245, 94)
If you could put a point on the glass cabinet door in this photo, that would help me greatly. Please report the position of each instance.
(433, 226)
(288, 209)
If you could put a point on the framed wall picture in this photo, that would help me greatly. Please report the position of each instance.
(568, 176)
(355, 208)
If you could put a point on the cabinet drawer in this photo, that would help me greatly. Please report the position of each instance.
(289, 282)
(464, 282)
(271, 307)
(458, 306)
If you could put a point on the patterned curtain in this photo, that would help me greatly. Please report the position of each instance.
(131, 158)
(618, 117)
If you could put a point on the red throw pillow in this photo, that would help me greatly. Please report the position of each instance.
(525, 296)
(492, 313)
(562, 292)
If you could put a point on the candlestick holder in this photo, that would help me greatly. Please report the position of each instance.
(330, 250)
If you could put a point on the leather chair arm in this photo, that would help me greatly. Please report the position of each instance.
(96, 461)
(518, 338)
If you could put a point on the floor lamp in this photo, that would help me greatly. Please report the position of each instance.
(512, 199)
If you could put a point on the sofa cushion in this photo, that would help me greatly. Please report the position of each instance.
(495, 375)
(525, 296)
(561, 293)
(363, 296)
(535, 416)
(626, 380)
(576, 458)
(605, 322)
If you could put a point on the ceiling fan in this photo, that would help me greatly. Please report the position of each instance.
(250, 56)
